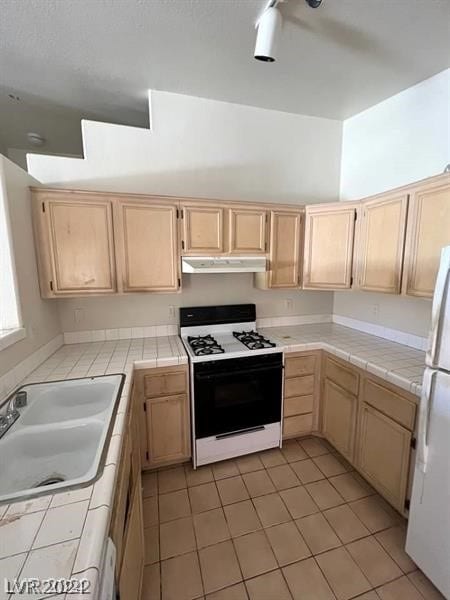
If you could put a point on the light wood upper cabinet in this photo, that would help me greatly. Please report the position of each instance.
(75, 244)
(428, 232)
(147, 239)
(383, 454)
(381, 242)
(203, 229)
(329, 239)
(285, 251)
(247, 229)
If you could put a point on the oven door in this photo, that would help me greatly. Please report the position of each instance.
(236, 394)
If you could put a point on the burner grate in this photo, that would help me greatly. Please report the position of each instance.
(253, 340)
(203, 345)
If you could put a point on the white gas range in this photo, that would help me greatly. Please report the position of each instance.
(236, 382)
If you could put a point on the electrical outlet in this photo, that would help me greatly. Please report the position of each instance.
(78, 315)
(289, 304)
(172, 312)
(375, 311)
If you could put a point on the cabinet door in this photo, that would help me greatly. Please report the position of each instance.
(119, 511)
(247, 231)
(339, 410)
(428, 232)
(168, 429)
(203, 230)
(285, 239)
(329, 238)
(383, 454)
(80, 246)
(381, 243)
(147, 246)
(130, 579)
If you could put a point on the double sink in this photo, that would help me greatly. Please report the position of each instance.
(60, 438)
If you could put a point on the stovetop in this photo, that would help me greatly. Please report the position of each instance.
(225, 343)
(220, 332)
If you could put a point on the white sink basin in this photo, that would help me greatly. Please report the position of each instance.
(66, 400)
(59, 440)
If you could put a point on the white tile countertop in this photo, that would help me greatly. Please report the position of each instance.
(62, 535)
(401, 365)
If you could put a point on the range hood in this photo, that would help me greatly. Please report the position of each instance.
(223, 264)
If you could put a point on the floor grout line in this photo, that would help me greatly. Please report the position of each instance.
(394, 518)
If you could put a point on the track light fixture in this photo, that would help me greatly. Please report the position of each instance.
(268, 27)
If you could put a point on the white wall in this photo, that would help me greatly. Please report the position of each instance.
(134, 310)
(210, 149)
(205, 148)
(40, 317)
(396, 142)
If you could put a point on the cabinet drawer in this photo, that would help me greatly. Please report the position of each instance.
(299, 386)
(299, 365)
(164, 384)
(298, 405)
(391, 403)
(343, 376)
(298, 425)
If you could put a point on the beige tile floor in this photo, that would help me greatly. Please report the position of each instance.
(290, 524)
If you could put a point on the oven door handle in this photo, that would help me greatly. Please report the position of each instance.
(203, 376)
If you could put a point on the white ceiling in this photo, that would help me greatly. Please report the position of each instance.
(97, 58)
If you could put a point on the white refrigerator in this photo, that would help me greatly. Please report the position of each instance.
(428, 538)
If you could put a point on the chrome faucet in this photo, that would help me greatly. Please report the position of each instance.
(19, 400)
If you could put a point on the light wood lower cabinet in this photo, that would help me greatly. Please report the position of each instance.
(121, 500)
(344, 375)
(301, 393)
(131, 573)
(339, 411)
(383, 454)
(162, 398)
(168, 429)
(127, 525)
(371, 422)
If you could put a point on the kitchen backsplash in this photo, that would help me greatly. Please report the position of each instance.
(140, 310)
(99, 335)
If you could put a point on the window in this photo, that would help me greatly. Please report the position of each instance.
(10, 319)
